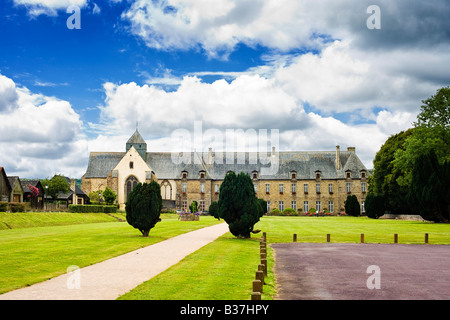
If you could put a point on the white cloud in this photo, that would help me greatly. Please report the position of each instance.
(48, 7)
(39, 135)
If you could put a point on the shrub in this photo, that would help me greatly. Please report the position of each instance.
(144, 206)
(352, 207)
(214, 210)
(3, 206)
(289, 212)
(84, 208)
(374, 205)
(275, 212)
(16, 207)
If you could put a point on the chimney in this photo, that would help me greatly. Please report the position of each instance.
(351, 149)
(72, 187)
(210, 156)
(273, 151)
(338, 158)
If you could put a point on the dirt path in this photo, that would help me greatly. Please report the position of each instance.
(308, 271)
(112, 278)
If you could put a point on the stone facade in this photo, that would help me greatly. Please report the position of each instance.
(303, 180)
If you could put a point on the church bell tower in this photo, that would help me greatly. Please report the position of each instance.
(138, 143)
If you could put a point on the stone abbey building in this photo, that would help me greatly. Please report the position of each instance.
(302, 180)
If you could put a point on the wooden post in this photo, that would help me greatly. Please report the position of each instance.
(263, 256)
(260, 277)
(257, 286)
(362, 237)
(256, 295)
(426, 238)
(264, 262)
(295, 238)
(264, 236)
(395, 238)
(328, 237)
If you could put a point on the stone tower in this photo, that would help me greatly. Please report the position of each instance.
(138, 143)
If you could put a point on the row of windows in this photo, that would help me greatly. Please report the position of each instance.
(201, 205)
(281, 187)
(306, 207)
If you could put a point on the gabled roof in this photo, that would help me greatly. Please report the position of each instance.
(13, 180)
(3, 173)
(136, 138)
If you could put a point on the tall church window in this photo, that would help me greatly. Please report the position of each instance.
(131, 182)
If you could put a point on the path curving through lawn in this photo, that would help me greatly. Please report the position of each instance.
(112, 278)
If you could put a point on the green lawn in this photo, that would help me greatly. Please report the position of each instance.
(30, 255)
(223, 269)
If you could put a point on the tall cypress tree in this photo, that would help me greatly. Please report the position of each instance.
(238, 205)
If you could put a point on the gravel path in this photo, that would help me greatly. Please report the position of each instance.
(112, 278)
(311, 271)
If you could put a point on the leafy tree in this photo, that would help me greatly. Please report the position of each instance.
(109, 196)
(55, 185)
(238, 205)
(144, 206)
(352, 207)
(430, 188)
(263, 205)
(193, 207)
(374, 205)
(214, 209)
(435, 111)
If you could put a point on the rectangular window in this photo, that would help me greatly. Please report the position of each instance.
(281, 205)
(184, 205)
(255, 186)
(268, 206)
(331, 206)
(184, 187)
(317, 187)
(363, 209)
(216, 188)
(318, 206)
(294, 205)
(363, 187)
(201, 205)
(305, 206)
(305, 188)
(267, 188)
(294, 188)
(202, 188)
(330, 188)
(349, 187)
(281, 188)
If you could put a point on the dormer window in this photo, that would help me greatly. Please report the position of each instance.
(202, 174)
(184, 174)
(255, 175)
(318, 175)
(363, 174)
(293, 175)
(348, 174)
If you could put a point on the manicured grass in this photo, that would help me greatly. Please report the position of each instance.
(226, 268)
(40, 219)
(30, 255)
(222, 270)
(348, 229)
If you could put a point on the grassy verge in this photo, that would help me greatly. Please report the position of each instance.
(349, 229)
(30, 255)
(41, 219)
(222, 270)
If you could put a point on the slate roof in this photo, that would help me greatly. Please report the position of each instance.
(136, 138)
(305, 164)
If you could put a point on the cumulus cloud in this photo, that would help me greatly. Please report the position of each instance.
(38, 134)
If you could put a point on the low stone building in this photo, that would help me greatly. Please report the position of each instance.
(300, 180)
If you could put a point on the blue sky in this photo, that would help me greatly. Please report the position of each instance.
(312, 70)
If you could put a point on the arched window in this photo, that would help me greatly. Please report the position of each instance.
(131, 182)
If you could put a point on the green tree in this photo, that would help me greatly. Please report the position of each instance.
(430, 188)
(109, 196)
(263, 205)
(238, 205)
(144, 206)
(352, 207)
(55, 185)
(374, 205)
(435, 111)
(214, 209)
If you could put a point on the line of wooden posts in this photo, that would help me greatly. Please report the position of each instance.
(261, 273)
(294, 238)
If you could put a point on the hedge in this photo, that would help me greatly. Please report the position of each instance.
(3, 206)
(12, 206)
(83, 208)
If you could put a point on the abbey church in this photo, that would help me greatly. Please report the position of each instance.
(302, 180)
